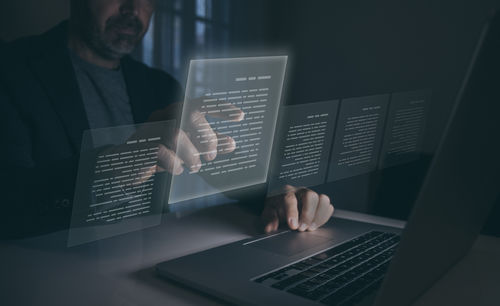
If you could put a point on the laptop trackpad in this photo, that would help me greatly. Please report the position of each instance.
(290, 243)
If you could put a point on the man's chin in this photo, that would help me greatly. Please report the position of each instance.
(117, 50)
(123, 49)
(113, 46)
(125, 44)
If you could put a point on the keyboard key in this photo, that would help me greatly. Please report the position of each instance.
(321, 256)
(314, 282)
(306, 286)
(289, 281)
(334, 272)
(300, 266)
(317, 269)
(311, 261)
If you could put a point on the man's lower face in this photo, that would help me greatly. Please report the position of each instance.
(120, 36)
(123, 44)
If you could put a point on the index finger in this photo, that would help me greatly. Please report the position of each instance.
(309, 200)
(291, 209)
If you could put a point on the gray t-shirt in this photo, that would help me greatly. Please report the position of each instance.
(104, 94)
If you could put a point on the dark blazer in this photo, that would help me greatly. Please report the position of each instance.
(42, 122)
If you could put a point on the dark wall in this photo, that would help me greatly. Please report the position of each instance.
(27, 17)
(345, 48)
(251, 23)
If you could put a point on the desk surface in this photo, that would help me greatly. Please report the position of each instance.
(120, 270)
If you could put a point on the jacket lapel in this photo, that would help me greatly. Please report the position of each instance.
(55, 71)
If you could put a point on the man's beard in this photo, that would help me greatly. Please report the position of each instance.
(119, 38)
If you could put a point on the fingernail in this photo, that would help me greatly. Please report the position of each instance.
(293, 222)
(195, 168)
(313, 227)
(179, 170)
(303, 227)
(210, 156)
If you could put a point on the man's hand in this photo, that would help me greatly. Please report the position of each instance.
(300, 208)
(197, 141)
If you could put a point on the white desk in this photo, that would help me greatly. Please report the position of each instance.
(119, 271)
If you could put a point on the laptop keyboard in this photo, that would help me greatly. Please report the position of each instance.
(342, 275)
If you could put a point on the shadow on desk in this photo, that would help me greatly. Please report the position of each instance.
(174, 291)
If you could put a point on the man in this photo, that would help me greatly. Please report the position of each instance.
(79, 76)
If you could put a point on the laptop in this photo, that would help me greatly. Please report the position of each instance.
(349, 262)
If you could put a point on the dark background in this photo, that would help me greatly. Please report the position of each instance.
(337, 49)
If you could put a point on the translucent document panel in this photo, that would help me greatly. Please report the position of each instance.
(358, 136)
(405, 128)
(117, 189)
(218, 89)
(303, 145)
